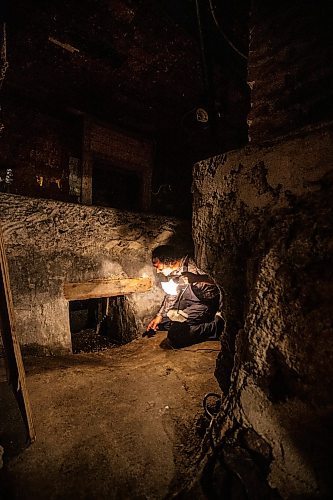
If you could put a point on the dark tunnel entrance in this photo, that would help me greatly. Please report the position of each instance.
(101, 323)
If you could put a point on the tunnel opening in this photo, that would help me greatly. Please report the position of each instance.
(100, 323)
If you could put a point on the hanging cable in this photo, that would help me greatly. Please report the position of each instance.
(211, 412)
(164, 188)
(227, 39)
(3, 66)
(3, 55)
(205, 71)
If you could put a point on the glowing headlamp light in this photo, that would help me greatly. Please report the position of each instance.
(173, 284)
(170, 287)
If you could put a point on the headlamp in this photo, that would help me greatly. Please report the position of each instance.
(170, 287)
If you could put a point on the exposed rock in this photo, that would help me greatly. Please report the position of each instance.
(262, 226)
(49, 243)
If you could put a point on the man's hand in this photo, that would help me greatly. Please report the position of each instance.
(153, 325)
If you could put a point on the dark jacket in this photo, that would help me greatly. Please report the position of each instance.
(198, 295)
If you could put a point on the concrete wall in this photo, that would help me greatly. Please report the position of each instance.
(49, 243)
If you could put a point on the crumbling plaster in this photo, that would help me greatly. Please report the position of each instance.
(49, 243)
(261, 226)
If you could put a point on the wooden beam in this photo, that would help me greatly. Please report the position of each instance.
(106, 288)
(14, 364)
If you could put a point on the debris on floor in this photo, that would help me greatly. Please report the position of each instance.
(89, 340)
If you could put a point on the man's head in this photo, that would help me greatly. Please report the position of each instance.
(166, 259)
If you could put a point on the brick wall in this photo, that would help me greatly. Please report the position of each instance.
(48, 153)
(290, 70)
(38, 147)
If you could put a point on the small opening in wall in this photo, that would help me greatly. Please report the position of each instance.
(98, 324)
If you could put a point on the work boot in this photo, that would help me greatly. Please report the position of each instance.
(217, 327)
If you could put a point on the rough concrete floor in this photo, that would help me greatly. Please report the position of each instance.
(118, 424)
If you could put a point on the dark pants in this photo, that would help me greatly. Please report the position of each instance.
(201, 323)
(185, 334)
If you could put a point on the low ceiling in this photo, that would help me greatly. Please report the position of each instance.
(134, 63)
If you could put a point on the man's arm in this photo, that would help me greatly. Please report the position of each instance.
(153, 325)
(167, 304)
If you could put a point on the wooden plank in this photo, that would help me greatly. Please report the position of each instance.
(106, 288)
(14, 364)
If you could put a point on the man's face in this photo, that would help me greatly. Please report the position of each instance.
(160, 267)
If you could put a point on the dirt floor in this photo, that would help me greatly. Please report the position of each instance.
(122, 423)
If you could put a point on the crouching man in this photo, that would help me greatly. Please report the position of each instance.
(191, 309)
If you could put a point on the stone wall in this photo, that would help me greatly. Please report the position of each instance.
(49, 243)
(262, 219)
(262, 226)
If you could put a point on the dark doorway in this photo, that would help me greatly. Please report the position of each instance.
(115, 187)
(98, 324)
